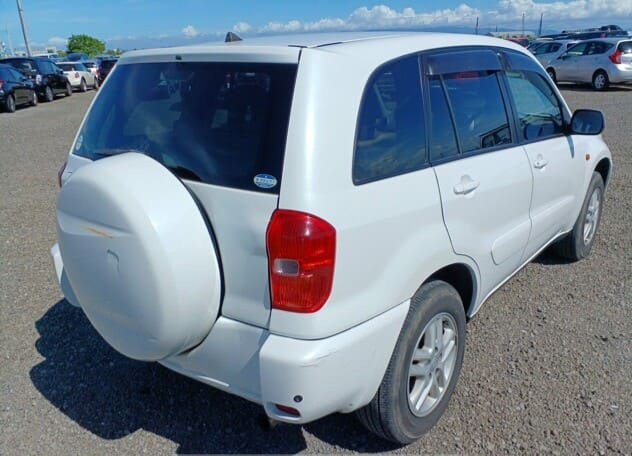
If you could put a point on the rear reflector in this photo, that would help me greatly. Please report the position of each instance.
(288, 410)
(301, 257)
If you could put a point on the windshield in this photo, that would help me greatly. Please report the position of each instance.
(218, 123)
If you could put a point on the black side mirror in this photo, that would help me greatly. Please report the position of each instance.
(587, 122)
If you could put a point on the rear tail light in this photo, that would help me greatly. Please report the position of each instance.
(301, 258)
(76, 74)
(287, 410)
(60, 173)
(616, 57)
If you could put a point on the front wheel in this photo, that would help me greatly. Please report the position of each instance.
(96, 83)
(577, 244)
(34, 100)
(68, 89)
(424, 368)
(83, 87)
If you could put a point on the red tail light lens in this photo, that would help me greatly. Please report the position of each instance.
(616, 57)
(61, 172)
(301, 258)
(76, 74)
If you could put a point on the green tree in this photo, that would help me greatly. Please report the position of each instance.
(86, 44)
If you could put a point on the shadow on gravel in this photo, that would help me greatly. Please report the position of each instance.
(113, 396)
(550, 258)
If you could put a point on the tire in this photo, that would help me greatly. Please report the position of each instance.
(68, 89)
(552, 75)
(96, 83)
(34, 99)
(83, 87)
(389, 415)
(577, 245)
(9, 104)
(49, 95)
(600, 80)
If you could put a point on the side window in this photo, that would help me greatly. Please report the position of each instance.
(539, 111)
(578, 49)
(442, 136)
(555, 47)
(390, 138)
(479, 110)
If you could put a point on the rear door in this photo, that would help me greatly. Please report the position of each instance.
(485, 180)
(557, 168)
(22, 92)
(593, 59)
(219, 127)
(567, 65)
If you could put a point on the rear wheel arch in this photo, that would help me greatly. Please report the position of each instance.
(462, 278)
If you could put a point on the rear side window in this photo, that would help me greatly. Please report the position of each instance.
(219, 123)
(598, 47)
(442, 136)
(479, 110)
(5, 74)
(578, 49)
(539, 112)
(390, 137)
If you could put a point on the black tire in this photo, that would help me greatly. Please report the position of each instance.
(9, 104)
(34, 99)
(83, 87)
(96, 83)
(600, 80)
(389, 415)
(552, 75)
(573, 246)
(49, 95)
(68, 89)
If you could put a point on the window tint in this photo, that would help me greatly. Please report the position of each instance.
(479, 111)
(597, 47)
(5, 74)
(625, 47)
(80, 67)
(390, 139)
(555, 47)
(218, 123)
(65, 66)
(539, 110)
(442, 136)
(578, 49)
(17, 76)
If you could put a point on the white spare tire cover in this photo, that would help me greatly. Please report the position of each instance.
(139, 256)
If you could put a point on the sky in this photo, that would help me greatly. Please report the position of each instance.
(129, 24)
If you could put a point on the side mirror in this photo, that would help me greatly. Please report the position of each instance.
(587, 122)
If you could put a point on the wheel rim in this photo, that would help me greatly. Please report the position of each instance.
(34, 98)
(432, 364)
(600, 81)
(592, 216)
(551, 75)
(49, 94)
(11, 104)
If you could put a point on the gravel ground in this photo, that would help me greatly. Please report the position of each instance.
(547, 367)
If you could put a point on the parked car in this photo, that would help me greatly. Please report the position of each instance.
(91, 65)
(49, 79)
(552, 50)
(104, 69)
(15, 89)
(79, 76)
(77, 57)
(309, 222)
(598, 62)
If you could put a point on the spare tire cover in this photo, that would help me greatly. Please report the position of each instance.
(139, 256)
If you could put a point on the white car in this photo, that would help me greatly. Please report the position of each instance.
(548, 51)
(79, 76)
(309, 221)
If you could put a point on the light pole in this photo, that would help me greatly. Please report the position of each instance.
(24, 31)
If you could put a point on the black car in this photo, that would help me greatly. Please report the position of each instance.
(105, 67)
(15, 89)
(49, 79)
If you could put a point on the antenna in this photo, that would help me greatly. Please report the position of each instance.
(232, 37)
(476, 32)
(540, 28)
(24, 31)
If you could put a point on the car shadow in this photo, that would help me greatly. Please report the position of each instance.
(570, 87)
(112, 397)
(549, 257)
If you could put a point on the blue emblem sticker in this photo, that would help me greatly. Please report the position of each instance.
(265, 181)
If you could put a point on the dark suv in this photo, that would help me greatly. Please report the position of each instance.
(105, 67)
(15, 89)
(49, 79)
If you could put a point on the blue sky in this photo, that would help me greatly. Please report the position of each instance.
(142, 23)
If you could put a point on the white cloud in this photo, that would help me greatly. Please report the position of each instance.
(507, 11)
(242, 27)
(190, 32)
(57, 41)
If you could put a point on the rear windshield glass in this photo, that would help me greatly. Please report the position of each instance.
(107, 64)
(625, 47)
(218, 123)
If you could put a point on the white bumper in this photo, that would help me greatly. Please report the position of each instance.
(340, 373)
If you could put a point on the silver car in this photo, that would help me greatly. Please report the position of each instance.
(599, 62)
(548, 51)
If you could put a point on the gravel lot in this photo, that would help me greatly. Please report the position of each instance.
(548, 365)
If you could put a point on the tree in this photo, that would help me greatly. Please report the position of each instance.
(85, 44)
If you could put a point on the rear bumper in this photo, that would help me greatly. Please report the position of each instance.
(619, 75)
(340, 373)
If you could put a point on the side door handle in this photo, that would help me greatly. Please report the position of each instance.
(540, 162)
(467, 185)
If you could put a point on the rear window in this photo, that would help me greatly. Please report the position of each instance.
(218, 123)
(625, 47)
(65, 66)
(107, 64)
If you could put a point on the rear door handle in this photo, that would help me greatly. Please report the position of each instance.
(540, 163)
(467, 185)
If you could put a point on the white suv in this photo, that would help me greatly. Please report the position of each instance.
(308, 222)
